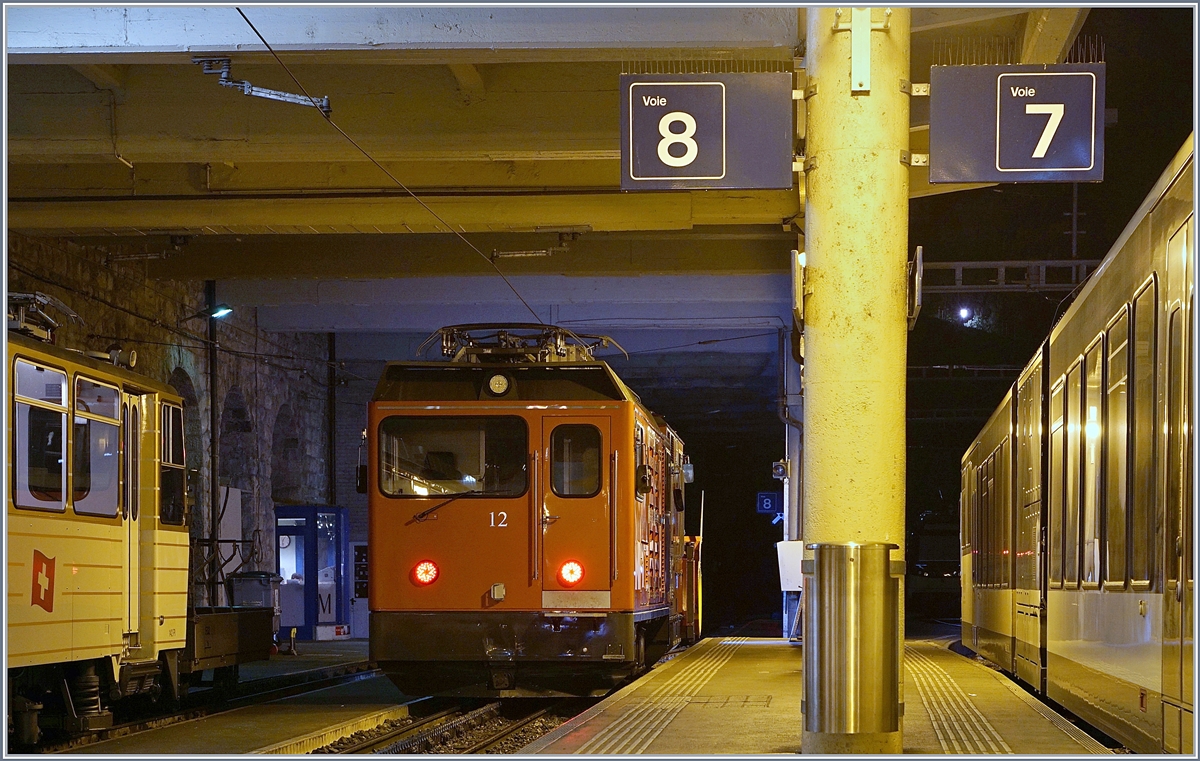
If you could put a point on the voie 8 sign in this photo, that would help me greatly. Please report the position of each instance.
(689, 131)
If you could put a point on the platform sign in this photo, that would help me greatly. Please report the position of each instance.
(702, 131)
(1039, 123)
(769, 502)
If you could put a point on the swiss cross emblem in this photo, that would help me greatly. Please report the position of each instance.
(43, 582)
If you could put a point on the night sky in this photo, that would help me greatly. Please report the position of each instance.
(1149, 80)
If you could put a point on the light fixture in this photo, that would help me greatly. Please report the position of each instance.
(216, 311)
(964, 313)
(425, 573)
(498, 385)
(570, 574)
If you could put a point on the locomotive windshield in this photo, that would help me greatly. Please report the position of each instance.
(431, 456)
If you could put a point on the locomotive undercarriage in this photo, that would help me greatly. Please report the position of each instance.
(514, 654)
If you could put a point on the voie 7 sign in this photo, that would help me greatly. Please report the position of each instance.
(690, 131)
(1026, 123)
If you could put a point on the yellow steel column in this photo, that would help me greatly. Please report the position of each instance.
(856, 238)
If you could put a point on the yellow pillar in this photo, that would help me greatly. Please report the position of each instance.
(856, 239)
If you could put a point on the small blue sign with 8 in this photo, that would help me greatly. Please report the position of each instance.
(770, 502)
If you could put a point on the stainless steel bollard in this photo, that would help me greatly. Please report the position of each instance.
(851, 647)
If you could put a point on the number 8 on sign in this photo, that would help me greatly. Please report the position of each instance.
(670, 137)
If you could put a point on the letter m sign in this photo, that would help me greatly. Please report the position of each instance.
(43, 582)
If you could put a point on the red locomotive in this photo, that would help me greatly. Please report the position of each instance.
(526, 520)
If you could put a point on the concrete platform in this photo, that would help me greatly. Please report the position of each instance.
(288, 726)
(311, 656)
(741, 695)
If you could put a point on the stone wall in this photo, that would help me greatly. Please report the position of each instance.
(271, 388)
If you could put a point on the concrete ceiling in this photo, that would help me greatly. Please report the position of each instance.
(502, 120)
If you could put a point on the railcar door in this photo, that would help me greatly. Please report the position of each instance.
(1178, 592)
(131, 513)
(1030, 587)
(577, 516)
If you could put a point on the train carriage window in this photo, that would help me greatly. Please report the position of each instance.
(1057, 463)
(575, 460)
(1175, 425)
(172, 472)
(1142, 389)
(423, 456)
(1074, 426)
(1116, 434)
(39, 446)
(95, 398)
(95, 467)
(1093, 488)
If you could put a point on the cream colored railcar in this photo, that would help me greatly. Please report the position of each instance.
(1077, 506)
(97, 541)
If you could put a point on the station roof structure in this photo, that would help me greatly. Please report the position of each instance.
(503, 120)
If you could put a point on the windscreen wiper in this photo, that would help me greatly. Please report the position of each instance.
(421, 516)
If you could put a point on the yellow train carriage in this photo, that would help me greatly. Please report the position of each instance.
(97, 541)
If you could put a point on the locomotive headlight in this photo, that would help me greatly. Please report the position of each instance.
(570, 574)
(425, 573)
(498, 384)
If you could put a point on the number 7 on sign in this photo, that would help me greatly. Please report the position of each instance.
(1055, 112)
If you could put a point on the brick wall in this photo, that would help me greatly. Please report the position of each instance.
(270, 373)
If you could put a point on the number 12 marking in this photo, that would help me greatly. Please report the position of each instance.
(502, 523)
(1055, 112)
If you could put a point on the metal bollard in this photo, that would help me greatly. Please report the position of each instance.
(851, 648)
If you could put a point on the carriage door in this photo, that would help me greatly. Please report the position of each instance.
(1030, 595)
(577, 517)
(1177, 597)
(131, 511)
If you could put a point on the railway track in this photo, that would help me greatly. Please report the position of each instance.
(496, 727)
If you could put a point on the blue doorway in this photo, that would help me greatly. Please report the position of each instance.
(312, 552)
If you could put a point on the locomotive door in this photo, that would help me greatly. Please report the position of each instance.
(577, 517)
(131, 512)
(1177, 598)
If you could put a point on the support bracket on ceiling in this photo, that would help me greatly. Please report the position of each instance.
(221, 66)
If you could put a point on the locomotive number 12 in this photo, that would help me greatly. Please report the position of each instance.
(499, 520)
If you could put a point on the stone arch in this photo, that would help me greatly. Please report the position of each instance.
(287, 480)
(236, 447)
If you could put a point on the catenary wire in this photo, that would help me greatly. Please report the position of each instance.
(384, 169)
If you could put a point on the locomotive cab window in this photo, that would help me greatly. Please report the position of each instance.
(39, 448)
(172, 473)
(96, 450)
(575, 460)
(429, 456)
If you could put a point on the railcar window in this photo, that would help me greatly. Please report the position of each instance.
(1074, 400)
(1057, 462)
(423, 456)
(172, 473)
(1093, 489)
(96, 398)
(1029, 417)
(1116, 445)
(1175, 434)
(985, 527)
(1141, 524)
(95, 467)
(1004, 513)
(39, 438)
(40, 383)
(575, 460)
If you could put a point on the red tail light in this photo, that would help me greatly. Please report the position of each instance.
(425, 573)
(570, 574)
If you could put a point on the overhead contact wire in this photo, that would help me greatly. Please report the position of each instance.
(384, 169)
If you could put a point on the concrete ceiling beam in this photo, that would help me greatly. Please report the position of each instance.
(192, 30)
(397, 213)
(1050, 33)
